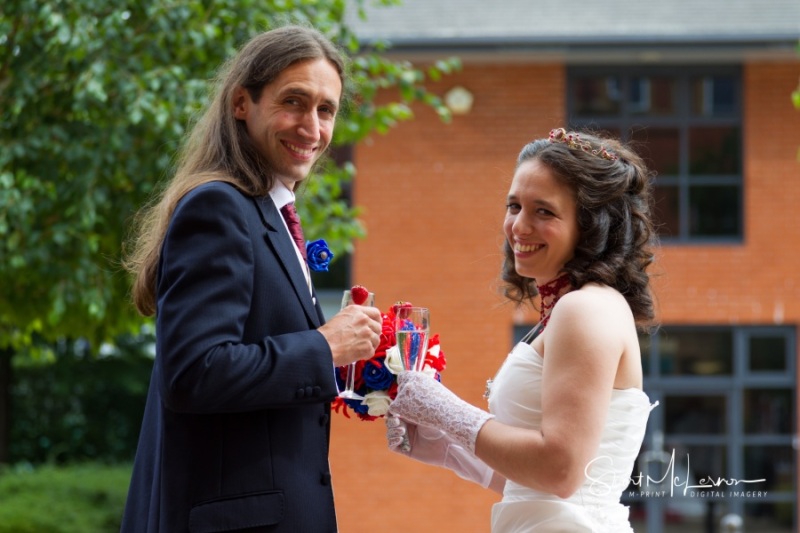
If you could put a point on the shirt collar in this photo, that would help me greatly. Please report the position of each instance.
(281, 194)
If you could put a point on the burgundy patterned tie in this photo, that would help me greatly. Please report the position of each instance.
(293, 223)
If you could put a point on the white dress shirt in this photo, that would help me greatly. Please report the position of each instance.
(281, 195)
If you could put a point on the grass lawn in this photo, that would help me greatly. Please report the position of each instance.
(87, 498)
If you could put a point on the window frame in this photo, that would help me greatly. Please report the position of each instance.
(736, 440)
(684, 121)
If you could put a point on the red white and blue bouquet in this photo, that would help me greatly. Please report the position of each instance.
(376, 378)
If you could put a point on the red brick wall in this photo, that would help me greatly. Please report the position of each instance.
(433, 196)
(758, 281)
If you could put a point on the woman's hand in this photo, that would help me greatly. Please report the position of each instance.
(434, 447)
(424, 401)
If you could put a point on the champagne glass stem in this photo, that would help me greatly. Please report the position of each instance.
(349, 384)
(351, 376)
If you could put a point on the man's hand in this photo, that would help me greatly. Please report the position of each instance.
(353, 333)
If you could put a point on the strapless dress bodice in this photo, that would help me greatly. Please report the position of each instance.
(516, 400)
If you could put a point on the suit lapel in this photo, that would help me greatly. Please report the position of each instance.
(282, 243)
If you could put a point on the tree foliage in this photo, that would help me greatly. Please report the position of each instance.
(95, 98)
(80, 407)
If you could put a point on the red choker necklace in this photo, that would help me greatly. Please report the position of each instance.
(550, 293)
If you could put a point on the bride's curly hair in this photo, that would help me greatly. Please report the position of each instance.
(613, 191)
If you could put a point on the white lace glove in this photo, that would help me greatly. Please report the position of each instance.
(434, 447)
(424, 401)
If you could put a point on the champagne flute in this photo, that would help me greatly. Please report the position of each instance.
(412, 326)
(349, 392)
(412, 329)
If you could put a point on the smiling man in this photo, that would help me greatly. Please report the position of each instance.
(236, 427)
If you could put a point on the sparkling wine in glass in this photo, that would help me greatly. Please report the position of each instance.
(412, 327)
(349, 385)
(412, 330)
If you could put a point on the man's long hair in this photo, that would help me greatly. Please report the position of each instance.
(218, 148)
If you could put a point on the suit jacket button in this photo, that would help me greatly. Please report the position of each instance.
(309, 392)
(325, 479)
(301, 393)
(317, 391)
(323, 420)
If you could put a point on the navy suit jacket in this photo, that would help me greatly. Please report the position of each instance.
(237, 422)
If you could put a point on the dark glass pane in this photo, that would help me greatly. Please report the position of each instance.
(704, 462)
(613, 133)
(597, 95)
(773, 464)
(670, 469)
(341, 155)
(645, 346)
(694, 415)
(767, 354)
(665, 210)
(696, 352)
(776, 466)
(714, 211)
(714, 96)
(337, 276)
(330, 300)
(651, 96)
(659, 147)
(766, 516)
(715, 151)
(520, 331)
(768, 411)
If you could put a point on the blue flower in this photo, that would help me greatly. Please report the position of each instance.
(319, 255)
(377, 376)
(358, 407)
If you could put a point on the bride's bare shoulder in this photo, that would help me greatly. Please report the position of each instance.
(592, 296)
(597, 309)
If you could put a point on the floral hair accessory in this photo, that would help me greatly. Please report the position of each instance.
(376, 378)
(319, 255)
(573, 140)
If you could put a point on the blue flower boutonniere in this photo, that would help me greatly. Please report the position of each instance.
(319, 255)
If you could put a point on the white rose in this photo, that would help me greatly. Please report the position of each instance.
(377, 403)
(393, 362)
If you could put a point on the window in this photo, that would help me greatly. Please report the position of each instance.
(686, 124)
(726, 411)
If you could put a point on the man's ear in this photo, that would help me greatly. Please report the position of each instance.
(241, 103)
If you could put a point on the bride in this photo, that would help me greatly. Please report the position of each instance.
(567, 413)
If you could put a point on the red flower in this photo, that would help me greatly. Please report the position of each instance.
(434, 360)
(387, 335)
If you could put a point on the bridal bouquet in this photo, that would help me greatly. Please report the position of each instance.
(376, 378)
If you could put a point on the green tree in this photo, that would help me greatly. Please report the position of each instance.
(95, 97)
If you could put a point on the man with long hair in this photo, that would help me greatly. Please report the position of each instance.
(237, 423)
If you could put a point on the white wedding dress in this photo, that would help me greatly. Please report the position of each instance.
(516, 400)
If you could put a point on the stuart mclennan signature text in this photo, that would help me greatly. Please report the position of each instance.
(600, 485)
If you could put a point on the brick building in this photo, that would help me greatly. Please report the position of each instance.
(704, 87)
